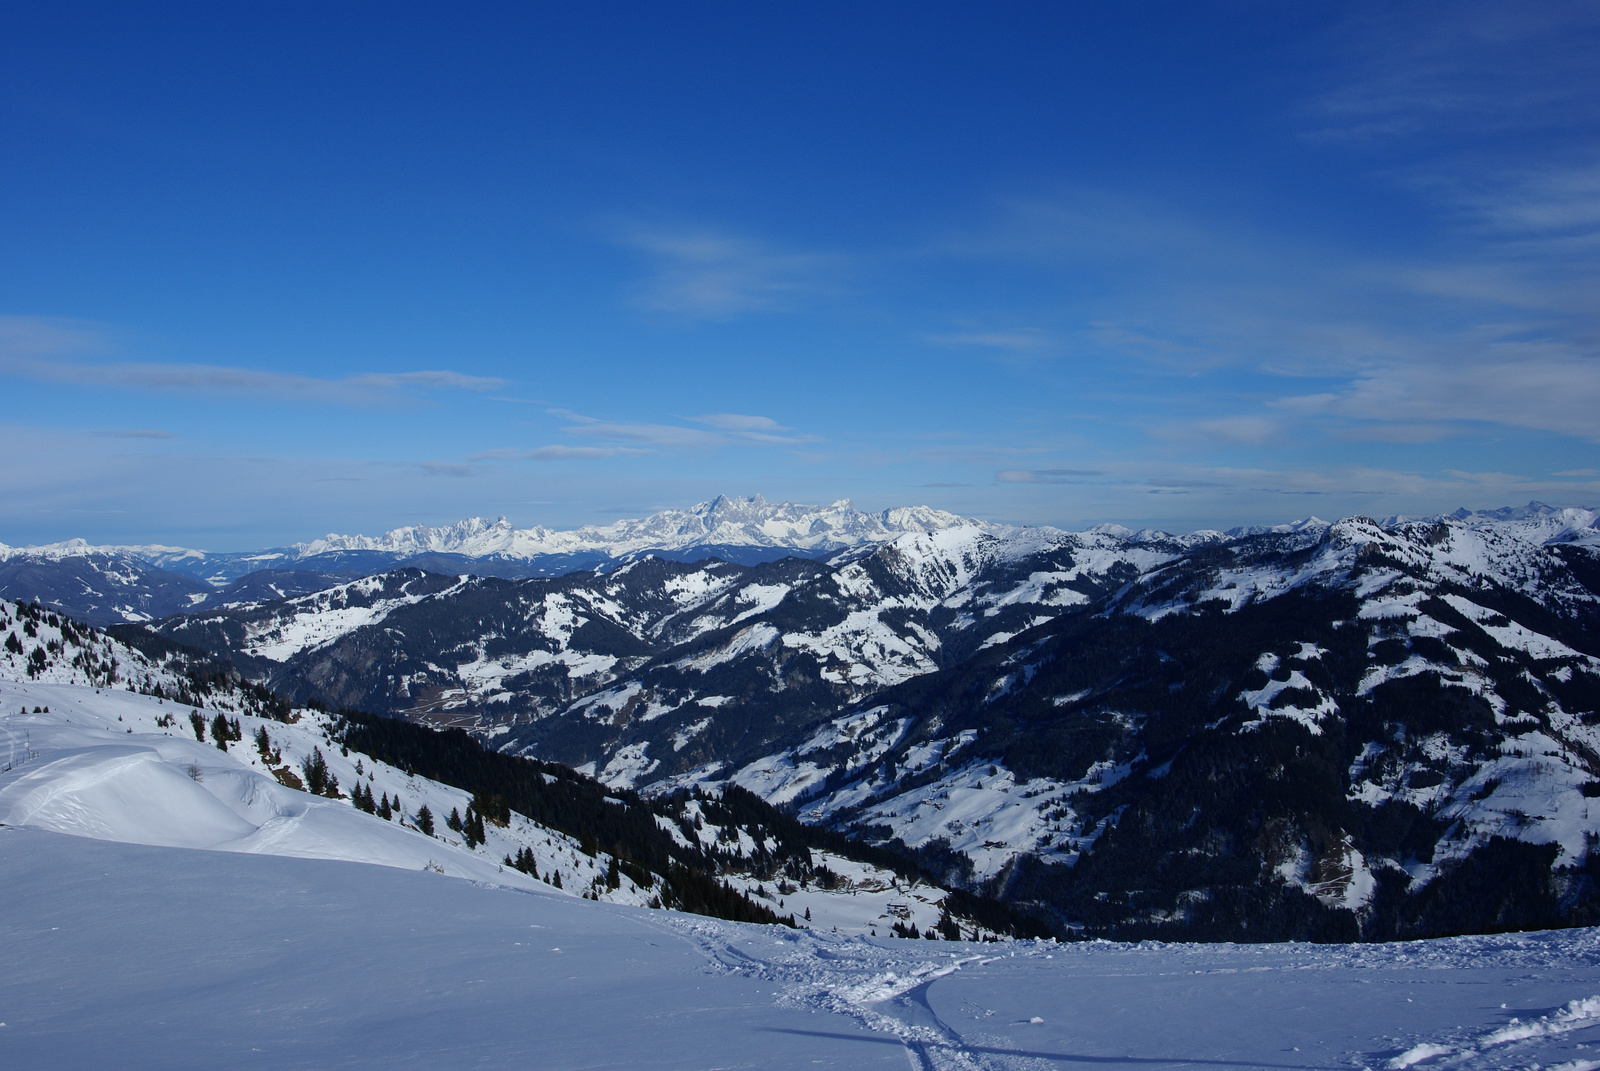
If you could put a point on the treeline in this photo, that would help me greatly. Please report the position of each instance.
(204, 675)
(634, 830)
(620, 824)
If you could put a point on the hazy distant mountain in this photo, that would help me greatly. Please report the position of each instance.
(742, 530)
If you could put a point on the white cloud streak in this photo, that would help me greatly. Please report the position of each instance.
(49, 351)
(710, 276)
(372, 389)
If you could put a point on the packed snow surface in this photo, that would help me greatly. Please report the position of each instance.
(133, 956)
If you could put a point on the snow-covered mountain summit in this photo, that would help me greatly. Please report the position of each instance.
(152, 553)
(721, 522)
(1537, 522)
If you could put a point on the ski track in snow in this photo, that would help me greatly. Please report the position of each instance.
(897, 988)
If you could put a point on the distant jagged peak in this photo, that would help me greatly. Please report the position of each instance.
(82, 548)
(1537, 522)
(721, 521)
(1305, 524)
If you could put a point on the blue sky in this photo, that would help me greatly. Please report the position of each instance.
(273, 270)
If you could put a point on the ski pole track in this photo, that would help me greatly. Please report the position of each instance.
(880, 986)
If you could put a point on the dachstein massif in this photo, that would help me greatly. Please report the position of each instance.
(1350, 731)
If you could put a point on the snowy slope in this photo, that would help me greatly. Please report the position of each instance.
(115, 765)
(157, 957)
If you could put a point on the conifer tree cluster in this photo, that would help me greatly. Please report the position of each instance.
(470, 827)
(493, 807)
(198, 723)
(361, 799)
(319, 780)
(524, 862)
(222, 730)
(269, 754)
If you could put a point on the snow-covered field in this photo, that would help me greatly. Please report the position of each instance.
(134, 956)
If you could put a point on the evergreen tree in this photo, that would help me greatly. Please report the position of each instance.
(425, 820)
(454, 821)
(472, 828)
(384, 811)
(199, 725)
(220, 731)
(315, 768)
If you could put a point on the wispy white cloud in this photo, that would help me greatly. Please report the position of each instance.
(52, 351)
(739, 422)
(1022, 341)
(363, 390)
(1532, 386)
(31, 336)
(453, 469)
(1241, 429)
(1432, 70)
(754, 429)
(708, 275)
(620, 438)
(1047, 475)
(667, 436)
(557, 452)
(1233, 493)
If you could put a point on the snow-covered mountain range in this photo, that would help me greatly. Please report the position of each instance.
(1025, 710)
(722, 522)
(744, 530)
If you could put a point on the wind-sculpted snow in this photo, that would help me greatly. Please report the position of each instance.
(120, 766)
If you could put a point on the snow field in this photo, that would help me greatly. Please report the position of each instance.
(114, 765)
(134, 956)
